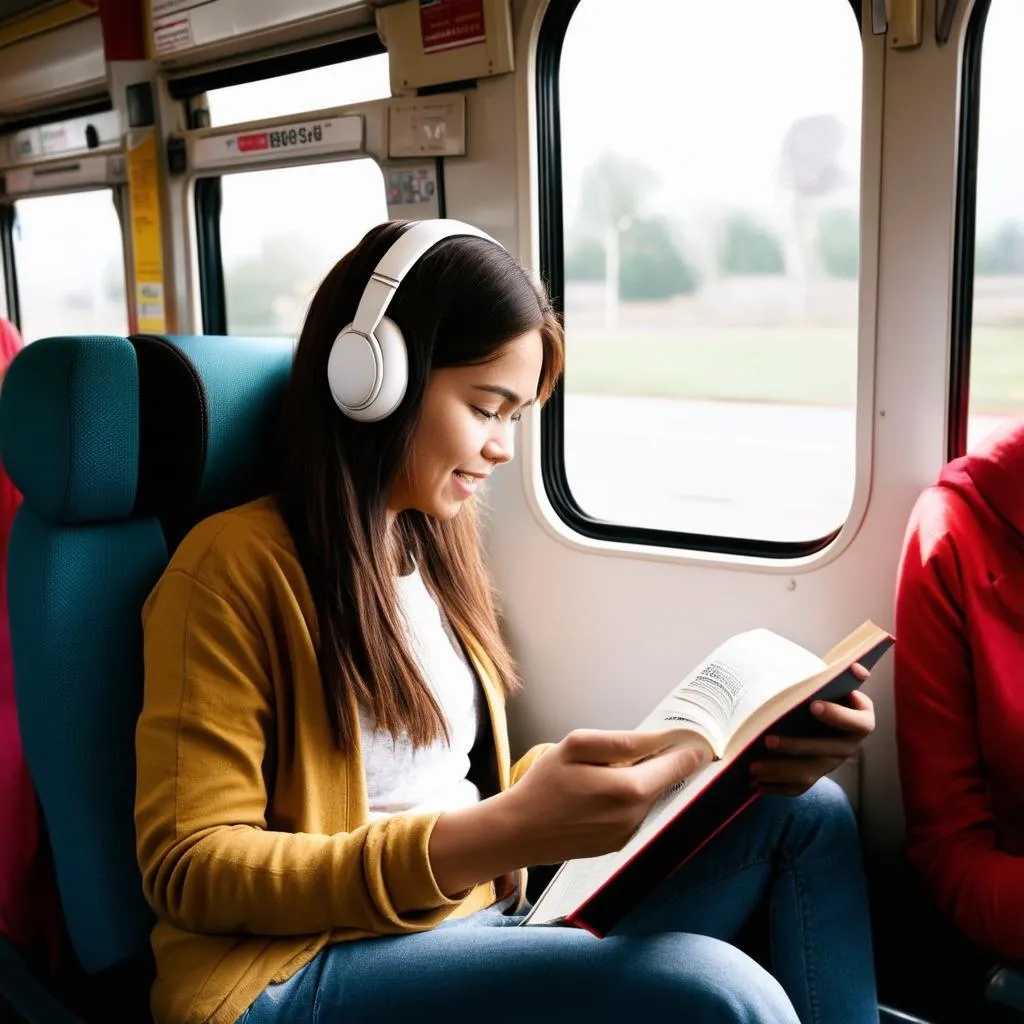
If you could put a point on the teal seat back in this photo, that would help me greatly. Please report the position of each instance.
(80, 564)
(118, 446)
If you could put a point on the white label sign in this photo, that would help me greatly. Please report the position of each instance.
(172, 24)
(425, 127)
(330, 135)
(173, 34)
(51, 177)
(64, 137)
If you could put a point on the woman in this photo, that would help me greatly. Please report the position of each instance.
(959, 699)
(328, 824)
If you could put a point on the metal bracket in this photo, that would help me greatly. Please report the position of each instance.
(905, 24)
(945, 12)
(879, 20)
(177, 155)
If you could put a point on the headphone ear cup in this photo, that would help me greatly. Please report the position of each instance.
(352, 370)
(395, 372)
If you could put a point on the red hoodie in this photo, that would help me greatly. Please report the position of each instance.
(29, 913)
(959, 690)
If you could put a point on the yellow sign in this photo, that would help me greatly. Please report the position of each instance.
(147, 235)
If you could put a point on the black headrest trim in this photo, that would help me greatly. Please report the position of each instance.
(173, 428)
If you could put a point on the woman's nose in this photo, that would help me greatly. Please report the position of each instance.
(501, 446)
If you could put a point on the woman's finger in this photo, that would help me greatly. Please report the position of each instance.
(858, 720)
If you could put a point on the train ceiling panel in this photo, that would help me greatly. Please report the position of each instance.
(19, 8)
(188, 32)
(62, 66)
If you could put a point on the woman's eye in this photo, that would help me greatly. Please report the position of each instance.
(484, 413)
(516, 417)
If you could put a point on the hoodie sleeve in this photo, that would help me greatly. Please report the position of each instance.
(951, 836)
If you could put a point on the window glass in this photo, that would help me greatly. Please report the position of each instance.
(711, 213)
(282, 230)
(69, 257)
(997, 329)
(336, 85)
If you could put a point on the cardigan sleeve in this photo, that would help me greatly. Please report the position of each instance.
(209, 863)
(528, 760)
(951, 836)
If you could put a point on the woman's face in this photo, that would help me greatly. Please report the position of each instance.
(467, 428)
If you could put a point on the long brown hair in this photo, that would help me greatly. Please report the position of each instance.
(457, 306)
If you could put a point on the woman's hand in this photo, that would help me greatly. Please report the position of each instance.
(588, 794)
(584, 797)
(796, 763)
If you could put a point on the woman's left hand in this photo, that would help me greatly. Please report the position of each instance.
(795, 763)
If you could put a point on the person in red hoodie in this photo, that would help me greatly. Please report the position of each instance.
(28, 904)
(959, 692)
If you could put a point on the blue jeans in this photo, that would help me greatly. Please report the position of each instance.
(792, 864)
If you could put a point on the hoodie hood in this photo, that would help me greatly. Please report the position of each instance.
(991, 478)
(10, 343)
(10, 499)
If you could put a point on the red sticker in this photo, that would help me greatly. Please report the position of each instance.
(450, 24)
(253, 141)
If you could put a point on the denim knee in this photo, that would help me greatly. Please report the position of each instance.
(826, 808)
(733, 988)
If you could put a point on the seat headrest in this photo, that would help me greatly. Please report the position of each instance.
(69, 427)
(209, 410)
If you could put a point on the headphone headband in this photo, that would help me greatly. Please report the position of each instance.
(410, 246)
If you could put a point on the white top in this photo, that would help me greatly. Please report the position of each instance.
(399, 778)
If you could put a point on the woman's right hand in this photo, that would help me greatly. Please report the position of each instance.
(584, 797)
(587, 795)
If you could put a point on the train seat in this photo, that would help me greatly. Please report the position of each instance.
(118, 445)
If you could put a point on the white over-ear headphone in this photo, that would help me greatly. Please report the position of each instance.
(368, 368)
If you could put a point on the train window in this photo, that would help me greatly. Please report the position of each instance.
(69, 258)
(710, 209)
(282, 230)
(997, 323)
(354, 81)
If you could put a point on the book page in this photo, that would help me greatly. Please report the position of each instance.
(730, 684)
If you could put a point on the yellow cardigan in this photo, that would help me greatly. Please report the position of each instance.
(252, 828)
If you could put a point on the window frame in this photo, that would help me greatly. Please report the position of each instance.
(207, 203)
(118, 197)
(7, 258)
(207, 191)
(965, 232)
(551, 238)
(207, 200)
(101, 105)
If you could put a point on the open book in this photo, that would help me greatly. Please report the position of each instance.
(753, 684)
